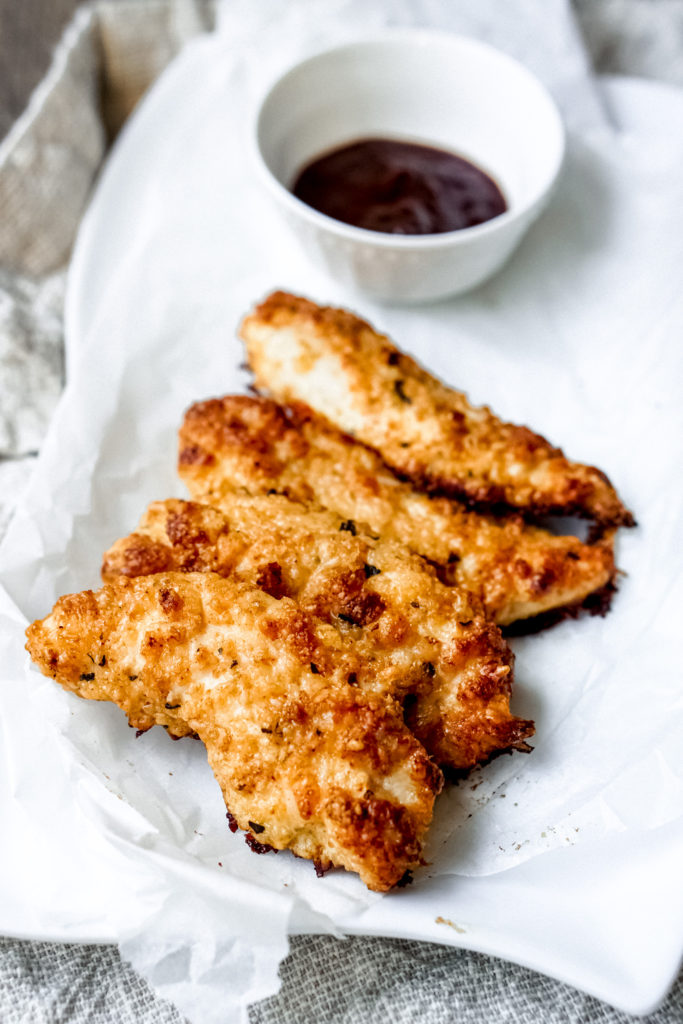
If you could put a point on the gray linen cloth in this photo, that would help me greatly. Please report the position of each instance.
(110, 54)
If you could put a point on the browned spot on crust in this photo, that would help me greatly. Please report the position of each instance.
(269, 579)
(170, 601)
(193, 455)
(294, 630)
(542, 581)
(141, 557)
(180, 529)
(363, 609)
(479, 639)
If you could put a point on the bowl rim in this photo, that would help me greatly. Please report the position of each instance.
(387, 240)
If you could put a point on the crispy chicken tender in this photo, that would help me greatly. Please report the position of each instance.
(400, 633)
(516, 569)
(305, 761)
(337, 364)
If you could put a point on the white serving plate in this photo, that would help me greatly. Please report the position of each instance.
(606, 914)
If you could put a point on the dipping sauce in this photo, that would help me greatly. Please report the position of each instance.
(401, 188)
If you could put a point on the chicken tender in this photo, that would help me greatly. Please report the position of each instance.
(305, 761)
(401, 633)
(516, 569)
(427, 432)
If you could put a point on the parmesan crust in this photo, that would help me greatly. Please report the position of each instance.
(403, 634)
(427, 432)
(516, 569)
(326, 614)
(306, 761)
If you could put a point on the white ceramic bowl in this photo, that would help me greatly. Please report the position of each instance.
(421, 86)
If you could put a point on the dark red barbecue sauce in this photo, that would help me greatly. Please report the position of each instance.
(400, 188)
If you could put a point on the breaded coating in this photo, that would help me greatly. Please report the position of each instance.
(401, 632)
(427, 432)
(305, 761)
(516, 569)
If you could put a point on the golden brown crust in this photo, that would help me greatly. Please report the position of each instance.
(304, 760)
(427, 432)
(403, 633)
(518, 570)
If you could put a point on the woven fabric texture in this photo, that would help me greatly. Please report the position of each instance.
(323, 979)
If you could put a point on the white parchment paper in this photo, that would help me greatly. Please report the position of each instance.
(578, 337)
